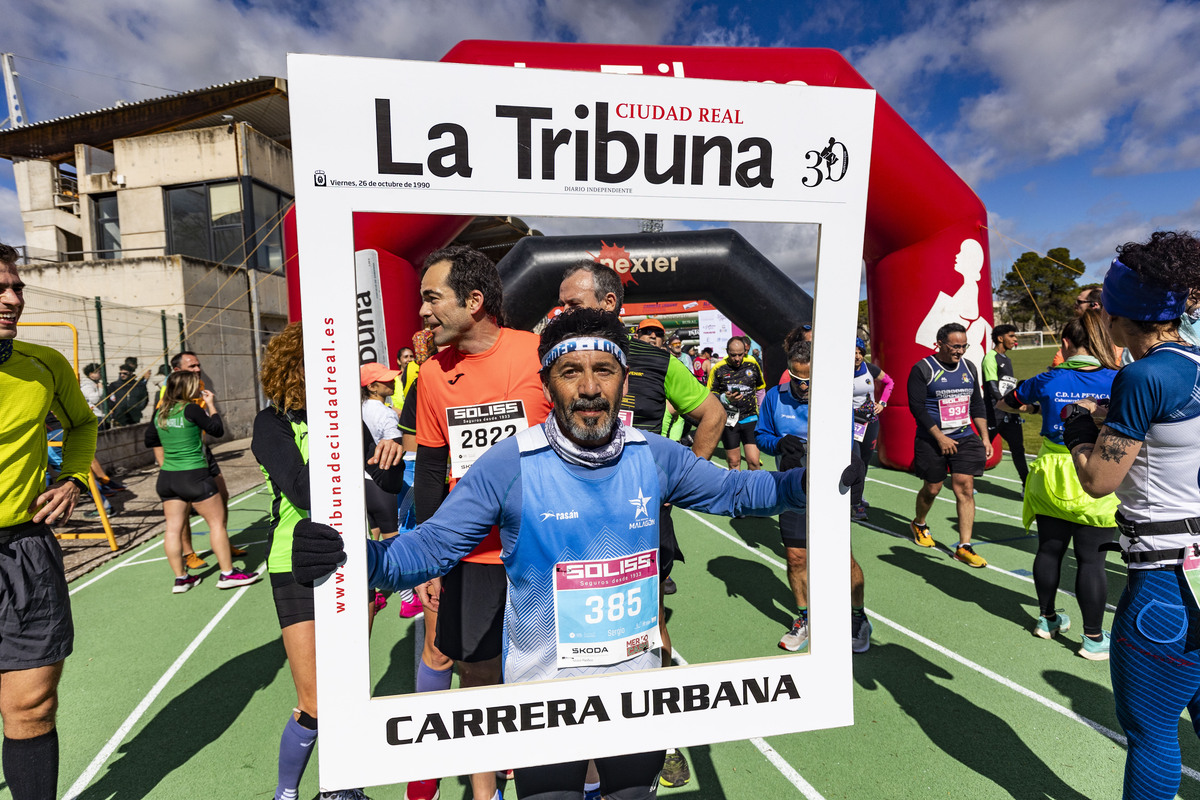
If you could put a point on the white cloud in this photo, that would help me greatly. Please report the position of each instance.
(1061, 79)
(11, 229)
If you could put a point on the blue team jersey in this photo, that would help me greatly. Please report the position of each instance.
(1056, 388)
(1156, 400)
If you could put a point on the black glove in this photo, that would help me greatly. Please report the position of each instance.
(316, 551)
(855, 472)
(792, 450)
(1078, 426)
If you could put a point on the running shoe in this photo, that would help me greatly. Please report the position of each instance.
(797, 637)
(1047, 629)
(411, 608)
(231, 580)
(380, 601)
(669, 586)
(675, 771)
(184, 584)
(591, 794)
(966, 554)
(238, 552)
(860, 633)
(113, 483)
(920, 534)
(422, 790)
(858, 513)
(1093, 650)
(108, 491)
(343, 794)
(194, 561)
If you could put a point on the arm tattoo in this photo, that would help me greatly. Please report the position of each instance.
(1114, 447)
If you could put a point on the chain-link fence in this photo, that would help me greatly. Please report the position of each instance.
(110, 335)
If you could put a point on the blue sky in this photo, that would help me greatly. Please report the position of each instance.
(1076, 121)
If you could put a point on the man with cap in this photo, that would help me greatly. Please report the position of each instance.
(651, 331)
(557, 492)
(675, 345)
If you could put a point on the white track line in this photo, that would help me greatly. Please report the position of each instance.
(164, 558)
(106, 752)
(943, 499)
(999, 478)
(982, 670)
(777, 761)
(129, 561)
(1001, 570)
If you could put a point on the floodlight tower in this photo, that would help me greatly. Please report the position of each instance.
(12, 93)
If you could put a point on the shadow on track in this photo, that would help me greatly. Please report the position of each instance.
(764, 588)
(976, 738)
(177, 734)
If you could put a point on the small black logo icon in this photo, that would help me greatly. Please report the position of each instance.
(454, 380)
(319, 178)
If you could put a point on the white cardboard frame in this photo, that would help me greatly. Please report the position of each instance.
(337, 173)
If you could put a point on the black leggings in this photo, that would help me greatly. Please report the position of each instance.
(1014, 439)
(632, 777)
(867, 446)
(1091, 580)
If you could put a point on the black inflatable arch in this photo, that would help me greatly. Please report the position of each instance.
(718, 265)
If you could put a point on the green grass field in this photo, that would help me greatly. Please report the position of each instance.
(1027, 362)
(174, 696)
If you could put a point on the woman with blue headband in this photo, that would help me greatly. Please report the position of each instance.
(1146, 450)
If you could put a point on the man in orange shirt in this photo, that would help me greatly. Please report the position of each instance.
(482, 388)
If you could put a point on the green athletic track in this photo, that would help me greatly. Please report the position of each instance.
(185, 696)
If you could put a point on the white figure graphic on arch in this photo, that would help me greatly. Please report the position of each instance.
(962, 306)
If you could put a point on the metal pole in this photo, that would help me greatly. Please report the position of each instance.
(256, 327)
(100, 337)
(166, 344)
(182, 338)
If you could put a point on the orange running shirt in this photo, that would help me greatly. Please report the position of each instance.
(478, 385)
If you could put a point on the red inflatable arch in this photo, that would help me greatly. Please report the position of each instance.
(926, 248)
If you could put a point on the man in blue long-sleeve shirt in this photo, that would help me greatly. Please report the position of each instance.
(782, 431)
(576, 499)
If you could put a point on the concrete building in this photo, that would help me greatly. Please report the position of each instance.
(174, 203)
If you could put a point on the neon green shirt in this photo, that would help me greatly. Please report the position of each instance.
(33, 382)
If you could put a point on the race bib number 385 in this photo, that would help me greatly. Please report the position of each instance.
(473, 429)
(606, 611)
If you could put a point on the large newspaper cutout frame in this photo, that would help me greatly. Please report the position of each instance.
(417, 137)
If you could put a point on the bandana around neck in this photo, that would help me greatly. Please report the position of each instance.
(6, 350)
(590, 457)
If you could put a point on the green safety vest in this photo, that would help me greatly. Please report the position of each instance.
(284, 515)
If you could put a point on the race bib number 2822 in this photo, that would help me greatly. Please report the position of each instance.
(473, 429)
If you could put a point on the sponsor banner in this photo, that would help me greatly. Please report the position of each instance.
(368, 297)
(452, 139)
(715, 330)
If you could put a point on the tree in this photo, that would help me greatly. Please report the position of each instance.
(864, 321)
(1046, 280)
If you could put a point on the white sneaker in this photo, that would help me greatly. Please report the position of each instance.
(797, 637)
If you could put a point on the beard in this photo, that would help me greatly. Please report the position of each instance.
(590, 430)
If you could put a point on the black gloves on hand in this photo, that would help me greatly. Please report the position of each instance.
(316, 551)
(855, 472)
(1078, 427)
(792, 450)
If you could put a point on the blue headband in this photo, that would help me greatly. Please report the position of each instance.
(1125, 295)
(582, 343)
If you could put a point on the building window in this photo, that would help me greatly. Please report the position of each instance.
(108, 226)
(267, 227)
(205, 221)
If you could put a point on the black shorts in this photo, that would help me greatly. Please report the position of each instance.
(383, 508)
(631, 777)
(793, 529)
(214, 468)
(930, 465)
(188, 485)
(668, 545)
(734, 436)
(35, 606)
(470, 619)
(293, 601)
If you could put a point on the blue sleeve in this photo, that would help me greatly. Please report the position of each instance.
(689, 481)
(476, 503)
(1138, 398)
(764, 431)
(1030, 391)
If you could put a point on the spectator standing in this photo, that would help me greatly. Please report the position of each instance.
(998, 381)
(675, 345)
(36, 631)
(127, 396)
(93, 390)
(1066, 514)
(945, 398)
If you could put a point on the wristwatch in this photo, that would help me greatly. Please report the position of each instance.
(83, 487)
